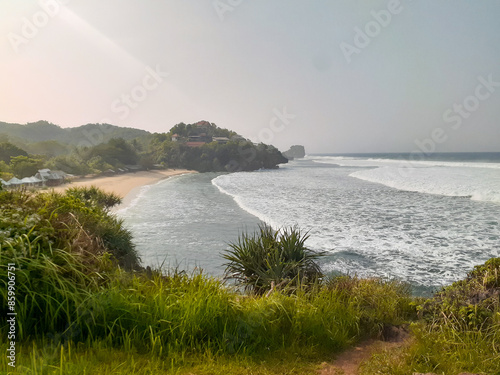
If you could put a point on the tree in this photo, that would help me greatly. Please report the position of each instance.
(180, 129)
(5, 171)
(49, 148)
(97, 164)
(8, 150)
(25, 166)
(115, 153)
(70, 164)
(136, 145)
(146, 162)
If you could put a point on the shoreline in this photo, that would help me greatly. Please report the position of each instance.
(127, 185)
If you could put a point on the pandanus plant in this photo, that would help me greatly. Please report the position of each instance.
(272, 258)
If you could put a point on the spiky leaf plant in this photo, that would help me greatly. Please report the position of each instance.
(272, 257)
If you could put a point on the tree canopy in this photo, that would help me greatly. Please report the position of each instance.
(201, 146)
(8, 150)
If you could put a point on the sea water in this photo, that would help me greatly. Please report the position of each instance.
(185, 222)
(426, 222)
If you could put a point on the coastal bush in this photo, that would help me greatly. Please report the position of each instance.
(93, 196)
(76, 221)
(272, 259)
(168, 314)
(469, 303)
(62, 248)
(382, 303)
(459, 330)
(50, 286)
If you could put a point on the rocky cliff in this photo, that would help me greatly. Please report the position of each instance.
(295, 152)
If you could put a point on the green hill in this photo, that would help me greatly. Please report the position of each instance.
(95, 148)
(40, 131)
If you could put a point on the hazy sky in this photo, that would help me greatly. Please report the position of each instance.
(335, 76)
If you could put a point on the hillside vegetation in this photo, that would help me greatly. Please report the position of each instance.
(98, 148)
(42, 131)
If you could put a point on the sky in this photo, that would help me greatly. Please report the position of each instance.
(337, 76)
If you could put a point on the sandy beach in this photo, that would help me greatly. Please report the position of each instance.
(125, 184)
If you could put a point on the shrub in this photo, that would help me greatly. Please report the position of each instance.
(61, 247)
(93, 196)
(459, 330)
(272, 257)
(469, 303)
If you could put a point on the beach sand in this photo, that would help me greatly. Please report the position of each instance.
(125, 185)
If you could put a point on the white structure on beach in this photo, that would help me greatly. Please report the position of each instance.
(44, 177)
(51, 178)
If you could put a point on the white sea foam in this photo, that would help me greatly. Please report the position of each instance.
(127, 204)
(476, 183)
(368, 228)
(346, 161)
(479, 181)
(371, 230)
(225, 180)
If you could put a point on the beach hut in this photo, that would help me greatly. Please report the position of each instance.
(31, 181)
(14, 182)
(51, 178)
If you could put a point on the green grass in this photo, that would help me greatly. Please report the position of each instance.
(184, 319)
(442, 350)
(458, 330)
(46, 359)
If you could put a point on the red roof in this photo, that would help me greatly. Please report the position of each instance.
(202, 123)
(195, 144)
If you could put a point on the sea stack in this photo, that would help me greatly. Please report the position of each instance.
(295, 152)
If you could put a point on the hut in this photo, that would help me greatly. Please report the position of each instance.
(31, 181)
(50, 178)
(14, 182)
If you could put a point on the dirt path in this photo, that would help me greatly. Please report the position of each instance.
(348, 362)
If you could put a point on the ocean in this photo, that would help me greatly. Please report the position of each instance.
(425, 222)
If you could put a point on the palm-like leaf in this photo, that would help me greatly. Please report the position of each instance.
(271, 256)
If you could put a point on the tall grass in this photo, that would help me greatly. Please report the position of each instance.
(442, 349)
(179, 316)
(459, 330)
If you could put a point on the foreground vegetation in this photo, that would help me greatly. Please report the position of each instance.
(85, 306)
(458, 330)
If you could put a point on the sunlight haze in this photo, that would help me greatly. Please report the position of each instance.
(282, 72)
